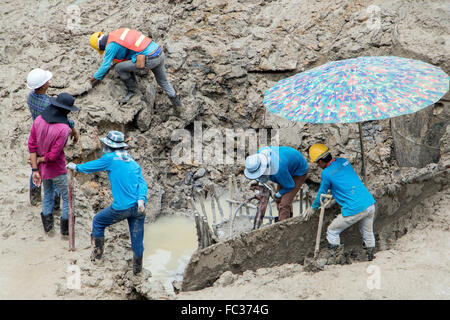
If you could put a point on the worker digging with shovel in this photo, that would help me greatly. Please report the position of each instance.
(132, 51)
(357, 204)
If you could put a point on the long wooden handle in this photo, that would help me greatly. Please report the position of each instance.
(71, 213)
(319, 228)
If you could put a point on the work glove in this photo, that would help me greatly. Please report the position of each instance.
(71, 166)
(309, 213)
(141, 206)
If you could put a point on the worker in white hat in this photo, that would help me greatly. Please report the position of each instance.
(283, 165)
(38, 80)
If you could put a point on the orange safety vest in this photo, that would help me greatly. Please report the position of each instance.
(130, 39)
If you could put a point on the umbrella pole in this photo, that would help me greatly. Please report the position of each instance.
(363, 167)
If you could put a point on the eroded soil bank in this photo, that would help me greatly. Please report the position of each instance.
(221, 57)
(261, 249)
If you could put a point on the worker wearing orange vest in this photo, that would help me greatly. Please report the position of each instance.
(123, 46)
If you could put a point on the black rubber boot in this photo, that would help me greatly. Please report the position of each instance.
(47, 221)
(137, 265)
(35, 196)
(370, 253)
(333, 247)
(97, 252)
(176, 105)
(175, 101)
(64, 226)
(332, 250)
(130, 83)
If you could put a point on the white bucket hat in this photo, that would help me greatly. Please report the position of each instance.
(256, 165)
(37, 78)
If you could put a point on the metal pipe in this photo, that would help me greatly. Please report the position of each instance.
(71, 212)
(239, 202)
(218, 203)
(301, 202)
(213, 210)
(363, 166)
(230, 205)
(199, 230)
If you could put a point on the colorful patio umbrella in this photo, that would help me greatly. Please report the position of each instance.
(357, 90)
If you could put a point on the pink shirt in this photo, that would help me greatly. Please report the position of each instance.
(48, 141)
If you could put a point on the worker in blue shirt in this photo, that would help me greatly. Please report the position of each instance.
(356, 202)
(129, 191)
(282, 165)
(126, 47)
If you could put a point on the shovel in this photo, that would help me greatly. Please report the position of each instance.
(319, 228)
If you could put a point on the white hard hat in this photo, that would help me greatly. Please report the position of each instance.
(37, 78)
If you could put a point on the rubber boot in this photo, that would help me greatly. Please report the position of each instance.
(35, 196)
(370, 253)
(137, 265)
(97, 252)
(47, 221)
(332, 250)
(64, 226)
(176, 105)
(130, 83)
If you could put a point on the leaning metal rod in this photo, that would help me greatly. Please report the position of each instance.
(198, 224)
(301, 202)
(199, 230)
(71, 212)
(213, 211)
(215, 197)
(237, 209)
(206, 233)
(239, 202)
(363, 166)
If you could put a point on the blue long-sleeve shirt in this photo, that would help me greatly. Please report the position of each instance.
(127, 184)
(286, 162)
(114, 50)
(345, 186)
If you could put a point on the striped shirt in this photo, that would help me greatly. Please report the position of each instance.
(39, 102)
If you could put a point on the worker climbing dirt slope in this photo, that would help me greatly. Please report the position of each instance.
(132, 51)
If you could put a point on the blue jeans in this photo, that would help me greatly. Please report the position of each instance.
(135, 219)
(50, 186)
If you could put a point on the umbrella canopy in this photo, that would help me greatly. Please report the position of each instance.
(356, 90)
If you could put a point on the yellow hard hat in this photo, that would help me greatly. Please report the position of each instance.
(318, 151)
(94, 41)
